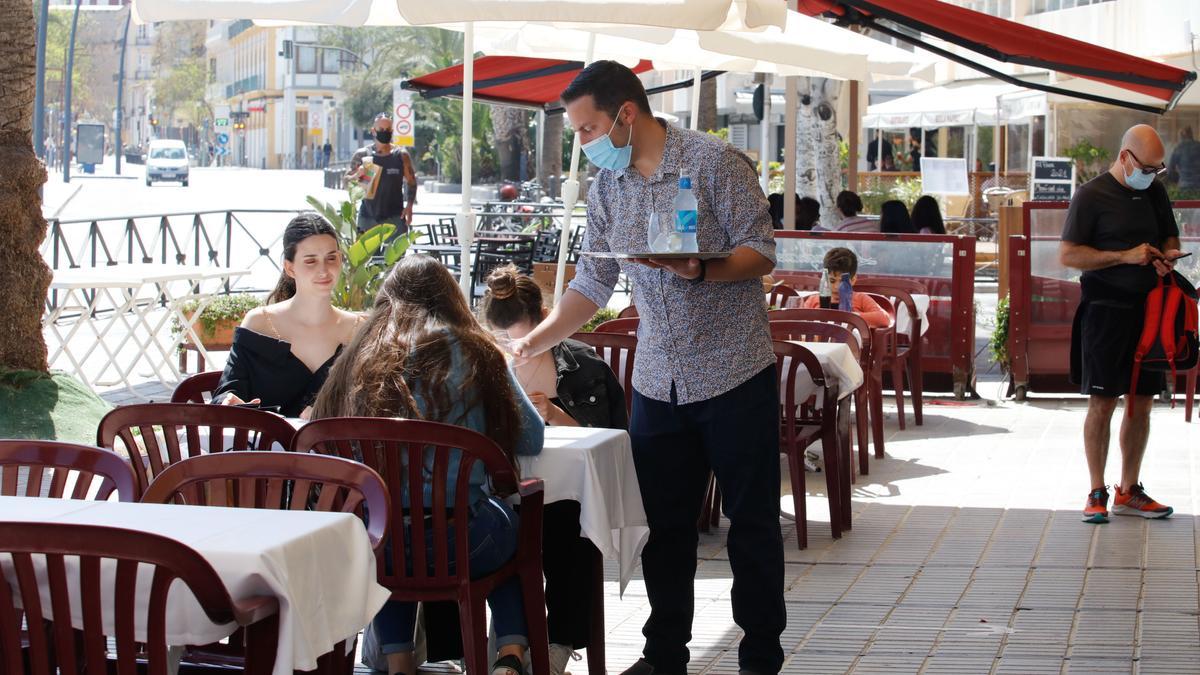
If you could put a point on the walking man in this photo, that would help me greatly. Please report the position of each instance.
(396, 191)
(705, 385)
(1121, 232)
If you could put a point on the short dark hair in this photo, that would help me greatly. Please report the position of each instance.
(808, 213)
(841, 261)
(849, 203)
(610, 84)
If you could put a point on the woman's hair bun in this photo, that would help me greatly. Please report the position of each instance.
(503, 282)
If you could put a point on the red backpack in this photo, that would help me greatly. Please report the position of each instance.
(1169, 339)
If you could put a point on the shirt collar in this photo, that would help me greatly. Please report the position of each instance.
(564, 360)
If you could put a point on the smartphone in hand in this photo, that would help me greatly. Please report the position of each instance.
(1181, 256)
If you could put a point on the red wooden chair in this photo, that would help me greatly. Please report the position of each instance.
(872, 364)
(629, 312)
(805, 422)
(169, 432)
(274, 480)
(627, 326)
(904, 354)
(57, 647)
(778, 295)
(404, 452)
(50, 465)
(198, 388)
(619, 351)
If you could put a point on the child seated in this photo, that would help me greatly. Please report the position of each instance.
(842, 265)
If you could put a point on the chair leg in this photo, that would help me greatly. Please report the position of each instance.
(847, 456)
(595, 648)
(1191, 394)
(876, 396)
(534, 594)
(831, 449)
(473, 627)
(916, 386)
(861, 404)
(898, 385)
(799, 492)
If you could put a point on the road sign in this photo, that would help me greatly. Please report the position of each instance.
(220, 116)
(221, 122)
(222, 139)
(403, 118)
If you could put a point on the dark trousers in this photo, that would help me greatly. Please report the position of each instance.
(736, 435)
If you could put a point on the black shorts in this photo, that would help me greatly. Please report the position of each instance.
(1103, 341)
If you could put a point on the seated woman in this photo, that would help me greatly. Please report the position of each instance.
(422, 355)
(843, 272)
(894, 218)
(927, 216)
(282, 352)
(849, 205)
(570, 386)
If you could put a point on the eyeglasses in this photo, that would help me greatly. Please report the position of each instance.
(1148, 170)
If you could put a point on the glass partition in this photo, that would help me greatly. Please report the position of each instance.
(942, 265)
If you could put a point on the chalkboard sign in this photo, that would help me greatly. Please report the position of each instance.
(1053, 168)
(1051, 192)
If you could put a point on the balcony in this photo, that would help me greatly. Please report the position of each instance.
(244, 85)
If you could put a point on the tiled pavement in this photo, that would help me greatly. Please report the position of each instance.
(968, 556)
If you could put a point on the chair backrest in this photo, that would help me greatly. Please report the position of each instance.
(408, 454)
(518, 250)
(626, 326)
(445, 231)
(546, 249)
(815, 331)
(198, 388)
(276, 480)
(834, 316)
(790, 358)
(104, 563)
(779, 295)
(619, 351)
(576, 243)
(629, 312)
(64, 470)
(168, 432)
(898, 292)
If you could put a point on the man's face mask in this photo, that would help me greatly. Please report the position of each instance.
(1139, 179)
(383, 135)
(605, 155)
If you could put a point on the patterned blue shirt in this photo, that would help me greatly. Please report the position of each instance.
(705, 337)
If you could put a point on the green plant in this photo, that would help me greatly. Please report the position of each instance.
(1090, 160)
(224, 309)
(363, 267)
(603, 314)
(998, 345)
(722, 133)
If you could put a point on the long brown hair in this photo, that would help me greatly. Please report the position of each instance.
(404, 350)
(303, 226)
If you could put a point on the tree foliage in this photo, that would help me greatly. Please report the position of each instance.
(182, 71)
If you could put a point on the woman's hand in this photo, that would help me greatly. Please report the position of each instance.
(232, 399)
(542, 404)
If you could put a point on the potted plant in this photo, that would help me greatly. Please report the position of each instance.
(217, 320)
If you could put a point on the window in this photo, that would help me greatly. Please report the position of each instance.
(330, 61)
(306, 59)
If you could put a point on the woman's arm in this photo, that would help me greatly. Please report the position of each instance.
(533, 429)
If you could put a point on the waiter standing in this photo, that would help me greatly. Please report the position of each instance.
(706, 391)
(395, 189)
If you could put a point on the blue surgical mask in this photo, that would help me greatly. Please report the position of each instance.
(605, 155)
(1139, 180)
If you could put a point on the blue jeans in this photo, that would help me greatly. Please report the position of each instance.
(492, 537)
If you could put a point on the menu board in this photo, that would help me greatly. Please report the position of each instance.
(1052, 179)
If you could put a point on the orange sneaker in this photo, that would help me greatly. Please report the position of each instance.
(1135, 502)
(1096, 510)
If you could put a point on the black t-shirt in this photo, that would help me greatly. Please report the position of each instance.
(389, 195)
(1111, 217)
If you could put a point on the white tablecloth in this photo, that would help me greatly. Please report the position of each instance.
(137, 330)
(837, 362)
(903, 321)
(319, 565)
(595, 468)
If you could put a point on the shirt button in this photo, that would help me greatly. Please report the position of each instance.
(592, 399)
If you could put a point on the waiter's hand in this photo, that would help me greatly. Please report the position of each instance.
(688, 269)
(408, 210)
(1144, 254)
(522, 352)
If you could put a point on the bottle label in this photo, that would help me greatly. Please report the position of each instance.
(685, 221)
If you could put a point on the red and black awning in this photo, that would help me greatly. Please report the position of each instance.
(1011, 42)
(518, 81)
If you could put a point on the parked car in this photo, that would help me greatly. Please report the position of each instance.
(167, 161)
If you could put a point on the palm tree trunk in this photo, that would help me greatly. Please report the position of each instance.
(24, 276)
(708, 105)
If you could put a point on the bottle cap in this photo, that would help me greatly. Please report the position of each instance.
(685, 181)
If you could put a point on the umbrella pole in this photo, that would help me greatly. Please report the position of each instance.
(696, 98)
(765, 144)
(466, 218)
(570, 195)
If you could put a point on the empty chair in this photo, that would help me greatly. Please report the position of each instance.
(627, 326)
(63, 470)
(198, 388)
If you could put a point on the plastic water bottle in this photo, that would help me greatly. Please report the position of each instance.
(685, 215)
(825, 291)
